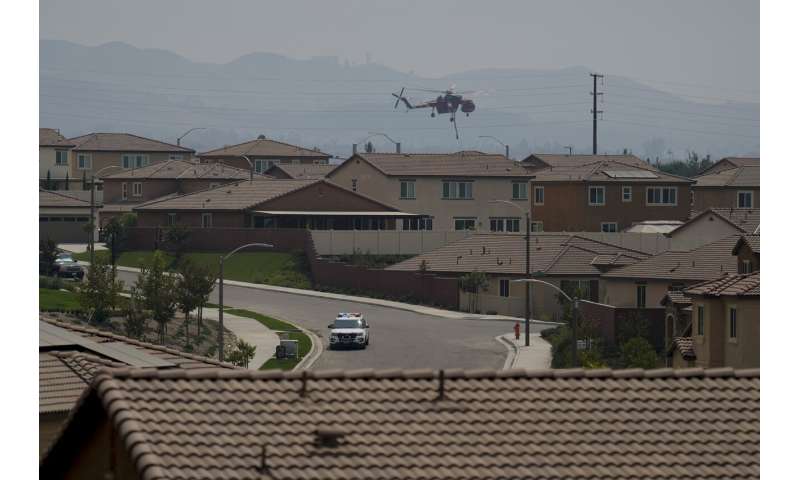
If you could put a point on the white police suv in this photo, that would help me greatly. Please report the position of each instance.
(349, 330)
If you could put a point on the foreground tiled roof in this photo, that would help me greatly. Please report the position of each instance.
(685, 346)
(552, 254)
(123, 142)
(65, 372)
(304, 171)
(179, 169)
(264, 148)
(50, 137)
(740, 285)
(49, 198)
(703, 263)
(416, 425)
(607, 171)
(555, 160)
(746, 176)
(459, 164)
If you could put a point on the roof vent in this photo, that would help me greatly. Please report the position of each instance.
(328, 437)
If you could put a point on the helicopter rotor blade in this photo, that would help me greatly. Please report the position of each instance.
(397, 102)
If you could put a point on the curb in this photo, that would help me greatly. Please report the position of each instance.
(513, 351)
(316, 350)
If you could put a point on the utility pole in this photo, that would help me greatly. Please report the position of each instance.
(594, 95)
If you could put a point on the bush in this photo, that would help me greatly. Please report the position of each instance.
(638, 353)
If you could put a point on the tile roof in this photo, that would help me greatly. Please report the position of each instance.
(745, 176)
(556, 160)
(50, 137)
(745, 219)
(123, 142)
(304, 171)
(263, 147)
(732, 162)
(606, 171)
(752, 241)
(677, 297)
(49, 198)
(703, 263)
(64, 371)
(459, 164)
(685, 346)
(179, 169)
(738, 285)
(415, 425)
(551, 254)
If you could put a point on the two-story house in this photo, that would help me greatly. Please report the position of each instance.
(54, 159)
(100, 151)
(456, 191)
(605, 196)
(260, 154)
(729, 183)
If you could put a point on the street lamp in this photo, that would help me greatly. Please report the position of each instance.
(222, 258)
(498, 141)
(188, 132)
(252, 168)
(527, 267)
(396, 144)
(575, 313)
(91, 210)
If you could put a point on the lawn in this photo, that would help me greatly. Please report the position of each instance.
(272, 268)
(57, 300)
(303, 342)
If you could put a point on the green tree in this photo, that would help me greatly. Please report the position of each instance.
(116, 232)
(157, 287)
(474, 283)
(135, 316)
(48, 252)
(193, 287)
(241, 354)
(48, 183)
(638, 353)
(177, 239)
(98, 294)
(203, 284)
(66, 181)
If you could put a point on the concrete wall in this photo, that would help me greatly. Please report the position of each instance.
(722, 197)
(428, 201)
(566, 206)
(702, 231)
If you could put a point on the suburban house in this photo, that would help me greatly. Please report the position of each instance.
(456, 191)
(262, 153)
(414, 425)
(541, 161)
(714, 224)
(645, 283)
(71, 355)
(125, 190)
(571, 262)
(63, 218)
(303, 171)
(605, 196)
(98, 151)
(729, 183)
(54, 159)
(269, 203)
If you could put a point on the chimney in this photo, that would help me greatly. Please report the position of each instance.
(397, 145)
(355, 148)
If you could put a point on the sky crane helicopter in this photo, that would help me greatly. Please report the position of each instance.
(448, 101)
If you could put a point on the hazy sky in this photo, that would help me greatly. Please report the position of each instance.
(711, 44)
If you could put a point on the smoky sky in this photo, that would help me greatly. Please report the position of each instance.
(678, 45)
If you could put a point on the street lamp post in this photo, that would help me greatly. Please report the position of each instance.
(396, 144)
(575, 313)
(91, 211)
(527, 268)
(252, 167)
(188, 132)
(222, 258)
(498, 141)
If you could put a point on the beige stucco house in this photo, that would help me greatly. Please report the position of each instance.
(714, 224)
(457, 191)
(262, 153)
(54, 158)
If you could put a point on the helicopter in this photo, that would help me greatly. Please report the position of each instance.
(447, 102)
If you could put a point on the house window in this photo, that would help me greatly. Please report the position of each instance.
(641, 296)
(701, 320)
(137, 189)
(597, 196)
(418, 223)
(408, 189)
(627, 193)
(124, 191)
(464, 223)
(510, 224)
(261, 165)
(354, 184)
(62, 157)
(732, 327)
(176, 156)
(171, 219)
(452, 190)
(537, 226)
(519, 191)
(538, 195)
(295, 161)
(205, 220)
(662, 196)
(135, 160)
(745, 266)
(504, 287)
(608, 227)
(84, 161)
(745, 199)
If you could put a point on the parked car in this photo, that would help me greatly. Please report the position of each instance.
(349, 330)
(66, 266)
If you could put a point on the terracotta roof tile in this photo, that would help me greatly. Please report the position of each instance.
(685, 346)
(677, 297)
(392, 425)
(459, 164)
(264, 148)
(744, 176)
(123, 142)
(180, 169)
(304, 171)
(740, 285)
(606, 171)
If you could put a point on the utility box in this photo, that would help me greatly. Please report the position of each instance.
(287, 349)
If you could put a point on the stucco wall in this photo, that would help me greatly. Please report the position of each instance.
(47, 161)
(101, 160)
(707, 197)
(622, 292)
(702, 231)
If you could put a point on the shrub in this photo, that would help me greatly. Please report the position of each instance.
(638, 353)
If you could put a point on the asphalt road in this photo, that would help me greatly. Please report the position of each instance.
(398, 338)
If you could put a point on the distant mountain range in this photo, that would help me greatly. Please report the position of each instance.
(331, 105)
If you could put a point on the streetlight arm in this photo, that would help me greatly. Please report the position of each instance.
(188, 132)
(509, 203)
(533, 280)
(264, 245)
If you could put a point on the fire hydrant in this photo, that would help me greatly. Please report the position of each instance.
(516, 330)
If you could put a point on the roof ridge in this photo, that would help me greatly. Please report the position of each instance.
(94, 135)
(609, 244)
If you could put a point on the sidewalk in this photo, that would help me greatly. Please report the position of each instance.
(81, 247)
(249, 330)
(535, 357)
